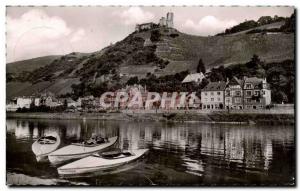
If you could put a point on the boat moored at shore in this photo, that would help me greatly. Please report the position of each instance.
(96, 162)
(77, 151)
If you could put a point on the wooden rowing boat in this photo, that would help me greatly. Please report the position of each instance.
(96, 163)
(76, 151)
(43, 146)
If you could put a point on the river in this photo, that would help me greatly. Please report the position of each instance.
(180, 154)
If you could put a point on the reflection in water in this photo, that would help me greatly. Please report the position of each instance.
(178, 152)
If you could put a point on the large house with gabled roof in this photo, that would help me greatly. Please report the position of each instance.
(212, 95)
(234, 94)
(248, 93)
(257, 93)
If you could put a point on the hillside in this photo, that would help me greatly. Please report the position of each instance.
(271, 26)
(184, 51)
(30, 64)
(140, 54)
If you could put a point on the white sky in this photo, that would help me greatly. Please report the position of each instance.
(41, 31)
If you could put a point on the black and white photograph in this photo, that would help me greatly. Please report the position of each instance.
(150, 96)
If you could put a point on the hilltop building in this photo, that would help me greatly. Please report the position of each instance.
(163, 22)
(145, 26)
(167, 21)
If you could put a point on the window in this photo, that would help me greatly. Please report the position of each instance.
(228, 100)
(238, 100)
(263, 92)
(219, 99)
(237, 93)
(227, 92)
(256, 93)
(248, 86)
(205, 93)
(212, 99)
(211, 93)
(248, 100)
(248, 93)
(219, 93)
(208, 106)
(204, 106)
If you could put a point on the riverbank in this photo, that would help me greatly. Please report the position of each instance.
(270, 118)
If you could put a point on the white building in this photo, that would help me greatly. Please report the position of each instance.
(24, 102)
(52, 102)
(37, 102)
(72, 103)
(196, 77)
(212, 95)
(11, 107)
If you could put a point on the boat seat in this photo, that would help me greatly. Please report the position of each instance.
(127, 153)
(47, 140)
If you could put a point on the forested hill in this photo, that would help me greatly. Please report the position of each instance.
(157, 52)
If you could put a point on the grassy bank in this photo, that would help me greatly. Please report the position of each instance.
(215, 117)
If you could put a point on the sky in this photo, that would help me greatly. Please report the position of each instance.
(39, 31)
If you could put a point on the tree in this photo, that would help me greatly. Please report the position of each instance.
(264, 20)
(201, 67)
(65, 104)
(133, 80)
(155, 36)
(290, 24)
(255, 61)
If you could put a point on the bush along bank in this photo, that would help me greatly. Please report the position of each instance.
(264, 119)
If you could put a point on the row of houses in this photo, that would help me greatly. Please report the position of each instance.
(246, 93)
(48, 100)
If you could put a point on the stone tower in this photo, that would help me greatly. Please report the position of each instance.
(170, 17)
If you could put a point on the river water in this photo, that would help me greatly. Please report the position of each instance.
(180, 154)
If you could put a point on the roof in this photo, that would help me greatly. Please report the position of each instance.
(255, 81)
(235, 81)
(146, 24)
(215, 86)
(193, 77)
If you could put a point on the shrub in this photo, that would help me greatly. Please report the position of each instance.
(155, 36)
(174, 35)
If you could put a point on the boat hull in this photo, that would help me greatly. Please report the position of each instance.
(93, 164)
(77, 152)
(42, 151)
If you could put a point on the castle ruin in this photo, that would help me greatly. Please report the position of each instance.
(163, 22)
